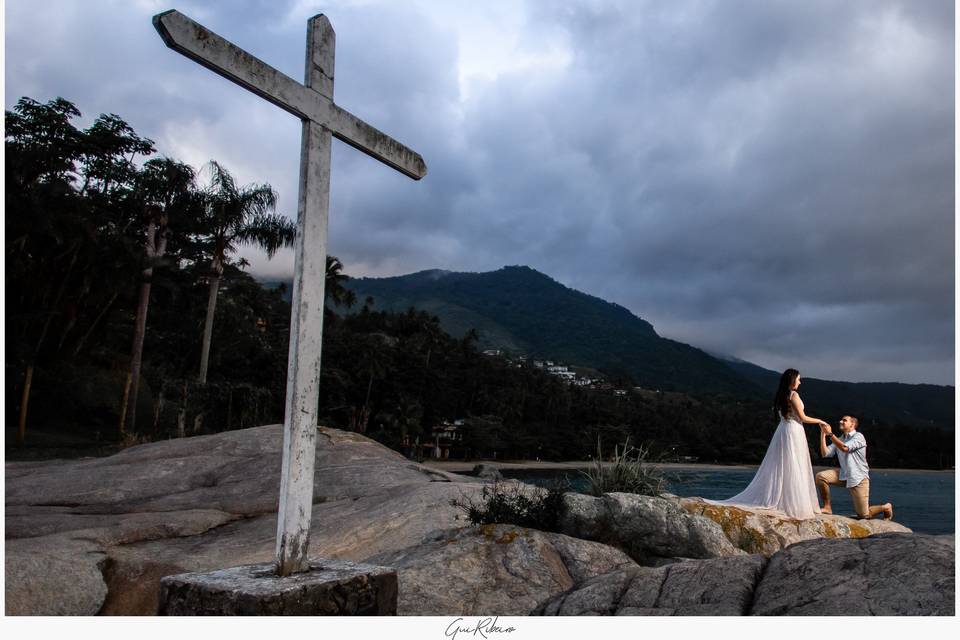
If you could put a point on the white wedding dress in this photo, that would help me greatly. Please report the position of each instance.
(784, 480)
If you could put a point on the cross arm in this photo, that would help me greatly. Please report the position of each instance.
(358, 134)
(221, 56)
(214, 52)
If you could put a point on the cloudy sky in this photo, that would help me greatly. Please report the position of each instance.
(772, 180)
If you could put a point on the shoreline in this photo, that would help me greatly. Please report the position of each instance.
(460, 466)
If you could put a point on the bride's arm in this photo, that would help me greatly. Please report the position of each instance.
(798, 408)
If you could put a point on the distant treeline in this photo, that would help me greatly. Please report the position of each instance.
(101, 250)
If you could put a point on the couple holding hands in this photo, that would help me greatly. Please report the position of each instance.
(785, 481)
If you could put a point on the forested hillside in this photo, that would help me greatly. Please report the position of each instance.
(130, 318)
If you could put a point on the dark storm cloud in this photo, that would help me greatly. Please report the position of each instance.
(779, 179)
(768, 179)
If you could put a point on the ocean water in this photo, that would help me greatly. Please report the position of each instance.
(922, 500)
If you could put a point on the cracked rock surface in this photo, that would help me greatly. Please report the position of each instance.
(888, 574)
(648, 528)
(116, 525)
(502, 569)
(714, 587)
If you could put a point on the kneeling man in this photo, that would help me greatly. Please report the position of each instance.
(851, 452)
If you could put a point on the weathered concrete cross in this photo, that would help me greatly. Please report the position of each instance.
(312, 102)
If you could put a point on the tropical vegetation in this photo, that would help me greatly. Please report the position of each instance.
(109, 285)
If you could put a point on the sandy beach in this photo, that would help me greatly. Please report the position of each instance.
(462, 466)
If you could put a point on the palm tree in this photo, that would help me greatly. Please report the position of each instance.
(335, 292)
(234, 216)
(167, 187)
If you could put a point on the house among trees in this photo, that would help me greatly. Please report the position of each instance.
(446, 436)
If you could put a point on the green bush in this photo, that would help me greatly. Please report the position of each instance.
(629, 471)
(518, 504)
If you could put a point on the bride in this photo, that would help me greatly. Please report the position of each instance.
(784, 480)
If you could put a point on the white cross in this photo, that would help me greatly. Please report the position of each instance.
(312, 102)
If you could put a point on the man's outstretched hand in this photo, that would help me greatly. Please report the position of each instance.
(825, 429)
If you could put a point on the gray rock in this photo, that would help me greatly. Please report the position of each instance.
(394, 518)
(112, 528)
(499, 569)
(116, 526)
(58, 574)
(718, 587)
(714, 587)
(487, 472)
(887, 574)
(200, 504)
(767, 531)
(597, 597)
(647, 528)
(234, 472)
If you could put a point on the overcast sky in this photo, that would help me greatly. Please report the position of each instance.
(773, 180)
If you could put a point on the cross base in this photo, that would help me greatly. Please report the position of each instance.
(328, 588)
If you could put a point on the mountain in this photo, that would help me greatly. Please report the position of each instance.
(523, 311)
(526, 312)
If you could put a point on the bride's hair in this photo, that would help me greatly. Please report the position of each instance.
(780, 402)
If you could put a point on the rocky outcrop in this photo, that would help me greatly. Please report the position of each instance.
(891, 574)
(715, 587)
(119, 524)
(887, 574)
(650, 529)
(766, 531)
(55, 575)
(655, 529)
(500, 569)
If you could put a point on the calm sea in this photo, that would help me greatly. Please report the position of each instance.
(922, 500)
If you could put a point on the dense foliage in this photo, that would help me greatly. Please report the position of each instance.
(89, 231)
(80, 212)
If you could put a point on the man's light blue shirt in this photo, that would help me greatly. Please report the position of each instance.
(853, 462)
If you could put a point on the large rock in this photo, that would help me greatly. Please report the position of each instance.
(197, 504)
(714, 587)
(650, 529)
(62, 574)
(234, 472)
(117, 525)
(500, 569)
(767, 531)
(888, 574)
